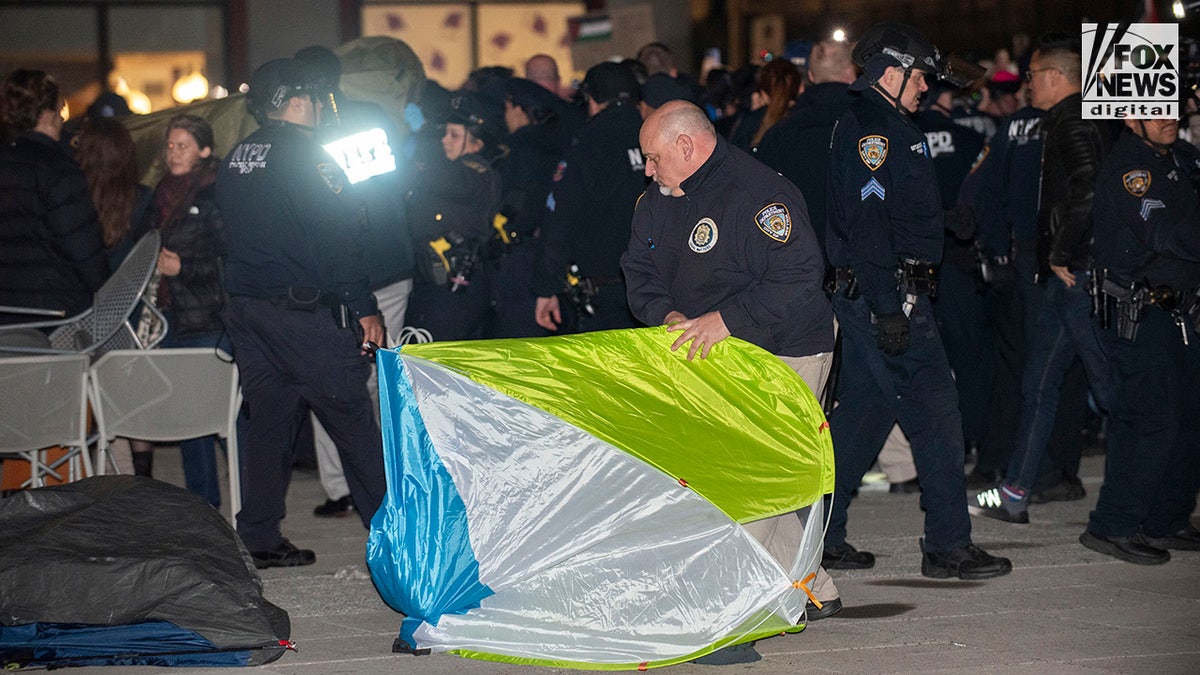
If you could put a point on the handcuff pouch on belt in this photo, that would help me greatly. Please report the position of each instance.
(841, 280)
(916, 277)
(453, 259)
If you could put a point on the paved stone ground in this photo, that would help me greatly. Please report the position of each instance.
(1064, 609)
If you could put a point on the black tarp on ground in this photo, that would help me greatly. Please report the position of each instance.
(124, 551)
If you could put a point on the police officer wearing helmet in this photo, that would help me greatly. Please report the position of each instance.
(452, 214)
(1147, 224)
(539, 131)
(885, 237)
(591, 205)
(300, 308)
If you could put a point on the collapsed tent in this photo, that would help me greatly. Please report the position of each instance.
(579, 500)
(123, 570)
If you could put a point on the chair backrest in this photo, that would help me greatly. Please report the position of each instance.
(113, 304)
(165, 394)
(43, 402)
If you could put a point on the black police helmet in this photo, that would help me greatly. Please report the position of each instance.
(609, 81)
(474, 112)
(897, 44)
(323, 63)
(275, 83)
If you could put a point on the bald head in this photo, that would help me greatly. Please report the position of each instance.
(543, 69)
(676, 140)
(830, 62)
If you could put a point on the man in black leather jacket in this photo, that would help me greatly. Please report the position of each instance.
(1073, 150)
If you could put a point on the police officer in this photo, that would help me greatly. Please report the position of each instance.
(721, 246)
(1073, 149)
(1147, 220)
(366, 144)
(885, 225)
(298, 299)
(538, 134)
(591, 204)
(1002, 191)
(453, 210)
(959, 305)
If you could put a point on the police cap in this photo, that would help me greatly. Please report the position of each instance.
(609, 81)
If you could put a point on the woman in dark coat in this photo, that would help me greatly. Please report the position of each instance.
(51, 251)
(190, 290)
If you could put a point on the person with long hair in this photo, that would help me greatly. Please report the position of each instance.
(108, 157)
(190, 289)
(778, 85)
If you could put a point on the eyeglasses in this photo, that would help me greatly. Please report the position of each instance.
(1029, 73)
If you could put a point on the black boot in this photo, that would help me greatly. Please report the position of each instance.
(143, 462)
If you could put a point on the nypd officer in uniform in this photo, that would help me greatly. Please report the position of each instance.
(958, 308)
(884, 238)
(1147, 224)
(721, 245)
(453, 209)
(591, 204)
(300, 308)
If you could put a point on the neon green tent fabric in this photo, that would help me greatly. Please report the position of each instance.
(577, 500)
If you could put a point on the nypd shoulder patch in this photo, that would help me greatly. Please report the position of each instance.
(332, 176)
(873, 150)
(1136, 182)
(704, 236)
(775, 221)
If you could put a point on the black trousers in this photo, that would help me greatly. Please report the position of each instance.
(289, 362)
(1152, 471)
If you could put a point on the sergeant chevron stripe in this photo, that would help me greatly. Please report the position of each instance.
(873, 187)
(1149, 205)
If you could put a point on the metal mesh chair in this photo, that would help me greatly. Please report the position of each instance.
(43, 404)
(168, 395)
(110, 323)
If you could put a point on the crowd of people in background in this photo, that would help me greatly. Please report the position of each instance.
(505, 208)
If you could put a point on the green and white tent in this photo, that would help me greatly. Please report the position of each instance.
(579, 500)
